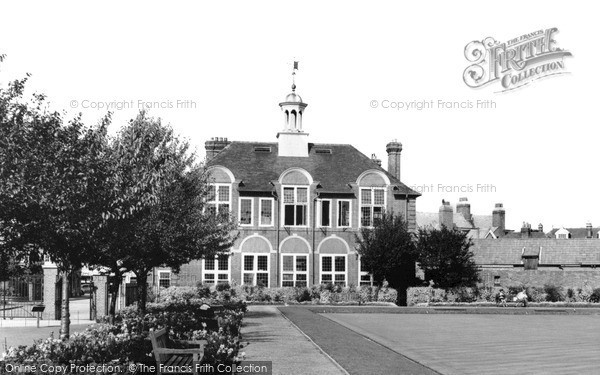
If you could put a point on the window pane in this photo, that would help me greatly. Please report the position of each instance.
(288, 195)
(301, 263)
(245, 211)
(326, 264)
(300, 215)
(365, 196)
(325, 221)
(266, 212)
(287, 283)
(302, 195)
(209, 278)
(164, 279)
(211, 193)
(249, 278)
(223, 209)
(209, 263)
(289, 215)
(326, 279)
(377, 213)
(343, 214)
(211, 209)
(362, 267)
(223, 278)
(262, 263)
(223, 262)
(340, 264)
(340, 279)
(288, 263)
(378, 197)
(365, 217)
(262, 279)
(288, 277)
(248, 262)
(223, 193)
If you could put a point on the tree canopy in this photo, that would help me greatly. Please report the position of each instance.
(445, 257)
(387, 251)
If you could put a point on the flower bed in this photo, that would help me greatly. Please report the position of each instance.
(126, 340)
(547, 295)
(318, 294)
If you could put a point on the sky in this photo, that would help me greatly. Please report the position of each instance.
(219, 69)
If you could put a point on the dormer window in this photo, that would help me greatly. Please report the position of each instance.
(372, 205)
(219, 199)
(295, 206)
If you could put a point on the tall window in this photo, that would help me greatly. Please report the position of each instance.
(164, 279)
(333, 269)
(364, 277)
(372, 204)
(256, 270)
(294, 270)
(246, 211)
(219, 199)
(295, 206)
(343, 213)
(216, 269)
(325, 213)
(266, 212)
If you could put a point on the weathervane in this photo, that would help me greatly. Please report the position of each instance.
(294, 76)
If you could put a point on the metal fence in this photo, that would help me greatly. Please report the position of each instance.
(18, 295)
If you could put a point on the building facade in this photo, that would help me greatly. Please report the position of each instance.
(299, 205)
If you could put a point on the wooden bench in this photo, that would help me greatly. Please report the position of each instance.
(175, 357)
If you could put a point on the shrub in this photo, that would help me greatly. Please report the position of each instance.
(595, 296)
(553, 293)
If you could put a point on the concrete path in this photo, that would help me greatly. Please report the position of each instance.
(274, 338)
(356, 353)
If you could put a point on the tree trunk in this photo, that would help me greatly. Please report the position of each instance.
(118, 279)
(64, 317)
(142, 287)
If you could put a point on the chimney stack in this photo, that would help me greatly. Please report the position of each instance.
(464, 208)
(588, 230)
(446, 215)
(394, 149)
(377, 161)
(540, 227)
(214, 146)
(499, 218)
(526, 230)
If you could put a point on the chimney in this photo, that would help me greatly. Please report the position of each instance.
(526, 230)
(464, 208)
(540, 227)
(394, 148)
(214, 146)
(377, 161)
(446, 215)
(588, 230)
(498, 218)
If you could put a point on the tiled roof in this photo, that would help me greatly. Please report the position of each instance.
(507, 251)
(533, 234)
(333, 171)
(575, 232)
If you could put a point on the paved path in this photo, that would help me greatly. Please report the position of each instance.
(487, 344)
(356, 353)
(274, 338)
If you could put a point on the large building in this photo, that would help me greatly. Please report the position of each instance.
(299, 205)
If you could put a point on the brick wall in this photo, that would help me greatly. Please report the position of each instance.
(567, 277)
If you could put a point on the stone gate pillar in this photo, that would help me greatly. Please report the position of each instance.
(101, 295)
(50, 275)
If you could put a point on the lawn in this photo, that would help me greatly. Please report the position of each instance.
(486, 344)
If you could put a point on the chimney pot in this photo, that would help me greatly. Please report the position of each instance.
(446, 215)
(589, 231)
(393, 150)
(499, 218)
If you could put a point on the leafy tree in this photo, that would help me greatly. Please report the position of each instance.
(388, 253)
(50, 176)
(162, 222)
(446, 258)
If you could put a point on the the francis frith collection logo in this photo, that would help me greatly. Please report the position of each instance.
(514, 63)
